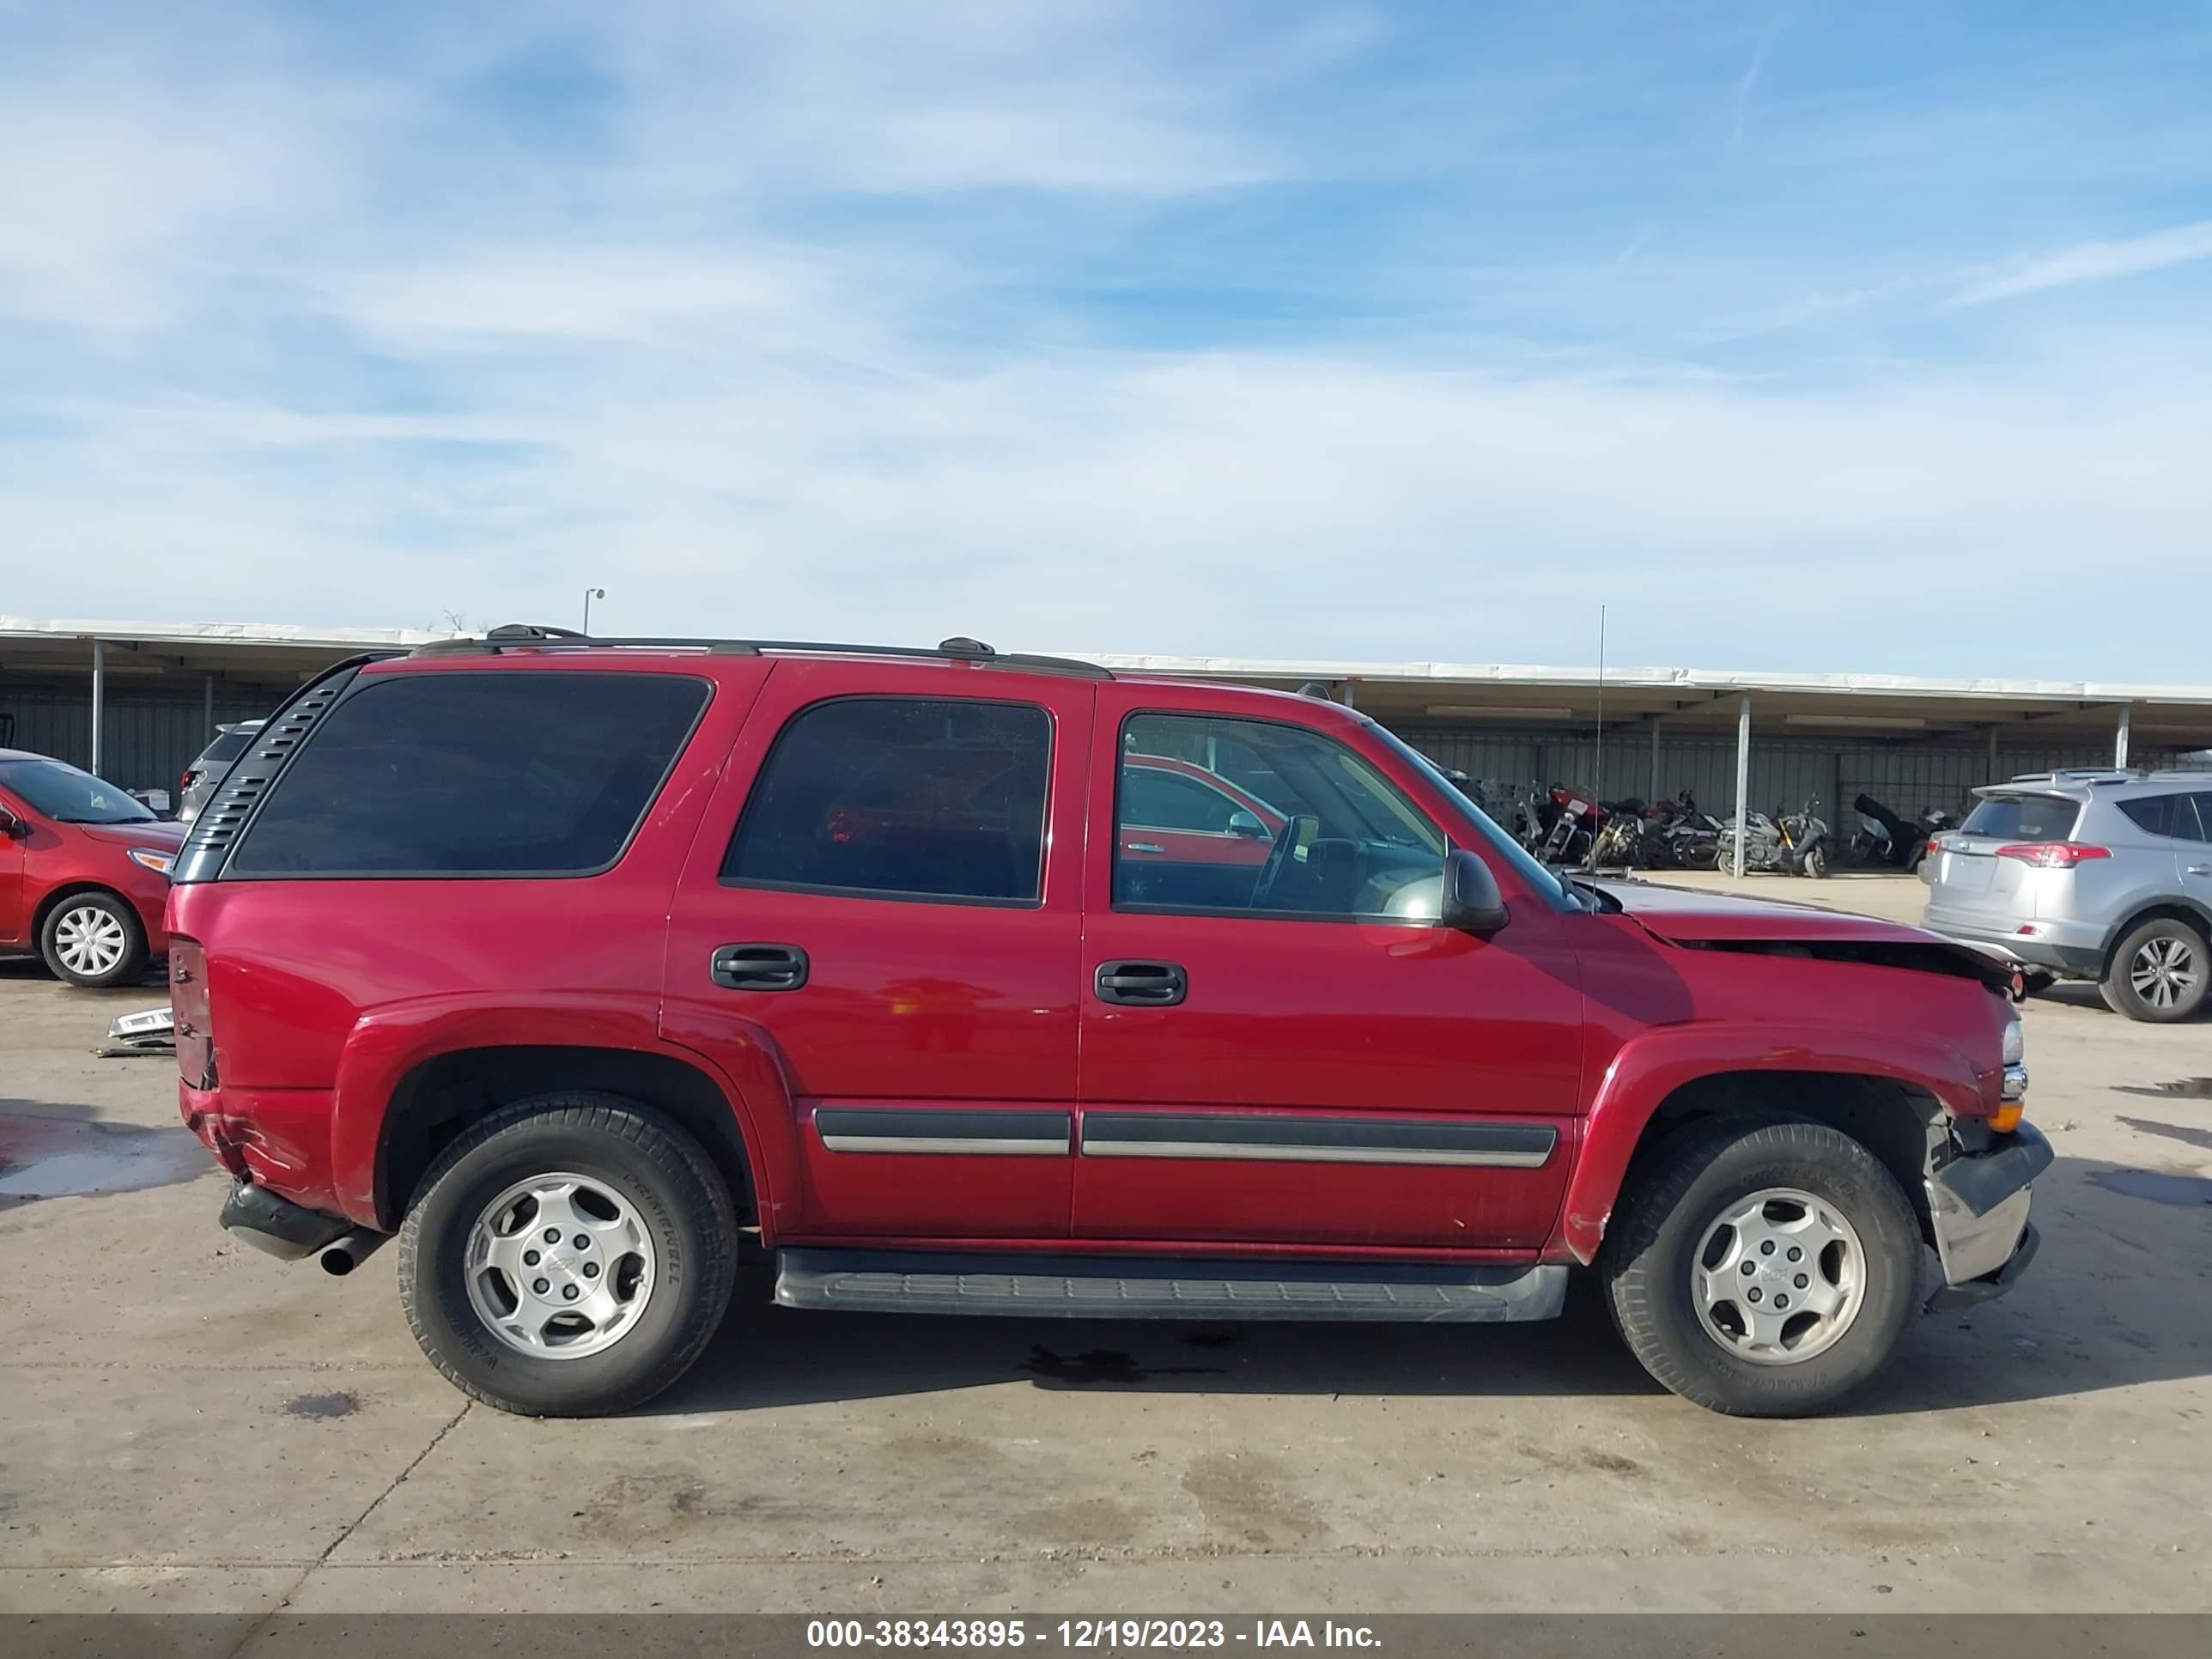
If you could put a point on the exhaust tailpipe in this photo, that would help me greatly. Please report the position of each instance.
(342, 1255)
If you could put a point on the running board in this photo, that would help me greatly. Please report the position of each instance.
(1138, 1287)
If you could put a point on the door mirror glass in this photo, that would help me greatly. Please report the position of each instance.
(13, 828)
(1471, 902)
(1247, 824)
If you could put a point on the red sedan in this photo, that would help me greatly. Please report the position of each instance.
(84, 872)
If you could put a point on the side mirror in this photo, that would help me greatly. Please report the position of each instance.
(1247, 824)
(13, 828)
(1471, 902)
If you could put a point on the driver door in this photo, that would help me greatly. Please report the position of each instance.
(1282, 1058)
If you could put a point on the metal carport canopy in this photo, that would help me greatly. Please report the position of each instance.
(1890, 706)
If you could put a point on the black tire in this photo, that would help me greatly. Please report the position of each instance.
(2163, 933)
(680, 1199)
(128, 969)
(1682, 1188)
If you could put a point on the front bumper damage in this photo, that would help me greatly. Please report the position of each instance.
(1977, 1205)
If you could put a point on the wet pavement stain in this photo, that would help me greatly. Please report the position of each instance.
(320, 1405)
(2185, 1088)
(1103, 1365)
(43, 1157)
(2159, 1187)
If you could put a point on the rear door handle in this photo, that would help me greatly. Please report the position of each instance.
(2200, 869)
(1142, 847)
(1141, 984)
(759, 967)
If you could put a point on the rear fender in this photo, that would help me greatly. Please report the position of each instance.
(386, 1045)
(1650, 1067)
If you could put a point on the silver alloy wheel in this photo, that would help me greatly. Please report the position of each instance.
(1778, 1277)
(2164, 971)
(90, 940)
(560, 1266)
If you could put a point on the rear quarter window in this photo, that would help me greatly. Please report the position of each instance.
(2023, 817)
(524, 773)
(2172, 816)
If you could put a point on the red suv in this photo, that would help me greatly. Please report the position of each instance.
(581, 965)
(84, 872)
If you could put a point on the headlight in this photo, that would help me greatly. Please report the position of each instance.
(151, 860)
(2015, 1042)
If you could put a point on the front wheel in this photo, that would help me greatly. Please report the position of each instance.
(1816, 861)
(1762, 1267)
(570, 1256)
(95, 940)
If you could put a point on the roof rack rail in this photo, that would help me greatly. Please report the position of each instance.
(531, 636)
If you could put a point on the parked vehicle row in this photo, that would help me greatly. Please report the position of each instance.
(967, 984)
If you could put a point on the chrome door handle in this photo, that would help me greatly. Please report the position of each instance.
(2200, 869)
(1142, 847)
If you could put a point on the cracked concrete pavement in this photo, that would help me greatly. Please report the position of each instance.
(193, 1426)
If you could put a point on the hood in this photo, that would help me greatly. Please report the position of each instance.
(1682, 916)
(156, 832)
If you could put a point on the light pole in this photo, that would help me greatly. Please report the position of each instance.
(591, 593)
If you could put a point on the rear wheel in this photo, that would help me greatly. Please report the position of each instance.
(1763, 1267)
(1816, 861)
(95, 939)
(2159, 972)
(570, 1256)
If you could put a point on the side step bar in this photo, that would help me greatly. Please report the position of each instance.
(1138, 1287)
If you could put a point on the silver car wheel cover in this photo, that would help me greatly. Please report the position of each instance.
(1778, 1277)
(90, 940)
(560, 1266)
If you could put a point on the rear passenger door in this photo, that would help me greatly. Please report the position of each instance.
(886, 890)
(2193, 825)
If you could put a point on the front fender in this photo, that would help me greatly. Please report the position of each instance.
(385, 1046)
(1651, 1067)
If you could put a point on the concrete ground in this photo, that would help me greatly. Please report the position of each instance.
(190, 1425)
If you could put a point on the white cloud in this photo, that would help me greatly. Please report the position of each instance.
(2087, 262)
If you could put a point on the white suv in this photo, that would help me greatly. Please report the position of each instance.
(2104, 876)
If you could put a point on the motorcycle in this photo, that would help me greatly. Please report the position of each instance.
(1685, 838)
(1794, 843)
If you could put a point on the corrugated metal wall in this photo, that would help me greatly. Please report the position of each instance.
(1907, 778)
(151, 735)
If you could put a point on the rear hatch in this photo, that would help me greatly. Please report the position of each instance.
(1969, 880)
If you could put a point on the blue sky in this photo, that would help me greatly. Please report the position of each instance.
(1866, 337)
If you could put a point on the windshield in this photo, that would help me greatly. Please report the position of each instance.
(228, 746)
(69, 796)
(2023, 817)
(1523, 862)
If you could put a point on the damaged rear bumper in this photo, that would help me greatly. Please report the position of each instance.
(1977, 1204)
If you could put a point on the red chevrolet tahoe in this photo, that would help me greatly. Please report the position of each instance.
(581, 965)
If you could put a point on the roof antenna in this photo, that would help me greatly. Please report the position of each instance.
(1599, 788)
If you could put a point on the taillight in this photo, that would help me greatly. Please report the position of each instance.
(2053, 854)
(189, 1008)
(1935, 845)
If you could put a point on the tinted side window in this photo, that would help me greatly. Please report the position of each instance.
(2022, 817)
(2202, 829)
(474, 774)
(2161, 815)
(911, 797)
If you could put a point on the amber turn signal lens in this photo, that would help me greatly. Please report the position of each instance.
(2006, 1118)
